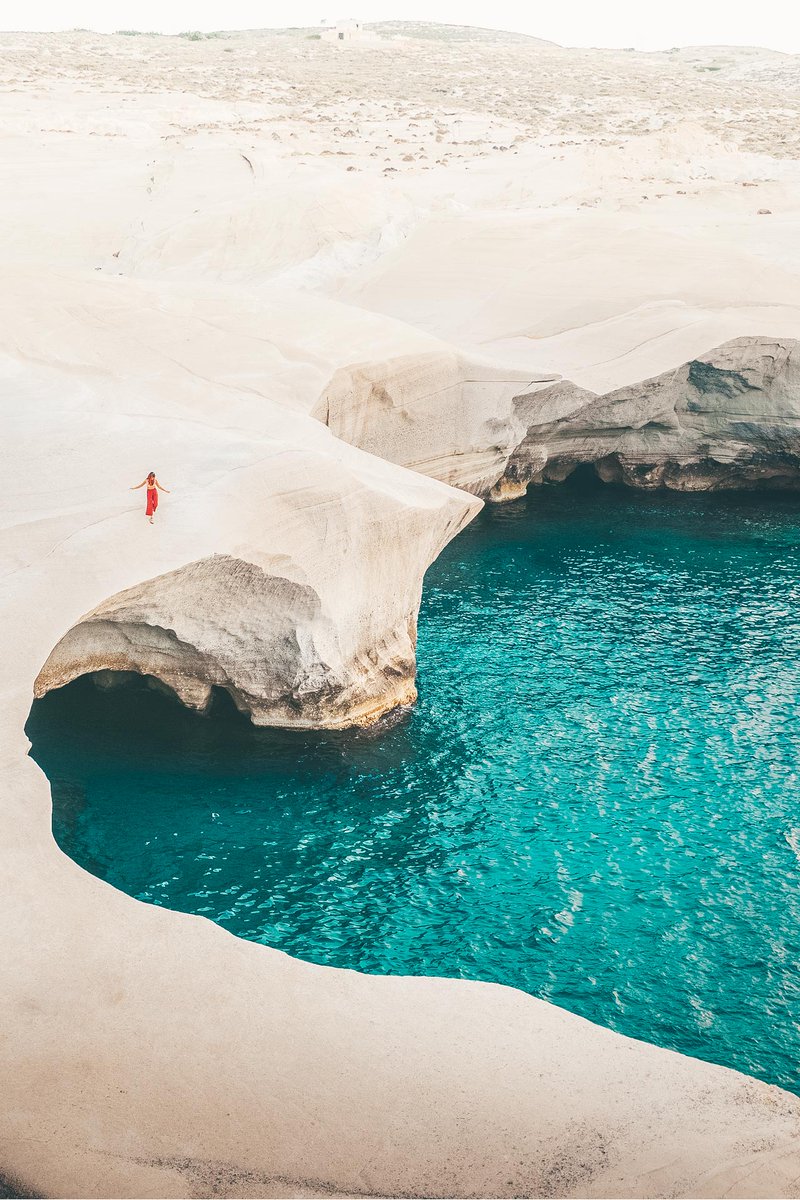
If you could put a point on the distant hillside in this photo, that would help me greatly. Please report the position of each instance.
(430, 31)
(433, 31)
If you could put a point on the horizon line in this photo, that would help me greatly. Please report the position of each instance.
(211, 33)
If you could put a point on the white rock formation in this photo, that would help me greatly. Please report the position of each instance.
(294, 642)
(285, 567)
(197, 237)
(727, 419)
(440, 413)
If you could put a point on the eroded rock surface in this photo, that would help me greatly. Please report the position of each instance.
(727, 419)
(263, 638)
(309, 619)
(188, 265)
(441, 413)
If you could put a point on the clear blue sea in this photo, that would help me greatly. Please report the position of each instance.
(596, 799)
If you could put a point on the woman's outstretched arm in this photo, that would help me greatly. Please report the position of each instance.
(138, 485)
(161, 488)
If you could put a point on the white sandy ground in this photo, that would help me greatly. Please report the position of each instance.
(196, 235)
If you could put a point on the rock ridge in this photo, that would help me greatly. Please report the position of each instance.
(727, 419)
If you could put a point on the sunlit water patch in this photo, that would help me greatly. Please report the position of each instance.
(596, 798)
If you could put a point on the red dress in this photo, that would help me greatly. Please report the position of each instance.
(152, 501)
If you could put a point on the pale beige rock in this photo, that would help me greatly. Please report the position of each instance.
(439, 413)
(240, 584)
(728, 419)
(336, 652)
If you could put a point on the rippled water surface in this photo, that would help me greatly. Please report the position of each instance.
(596, 798)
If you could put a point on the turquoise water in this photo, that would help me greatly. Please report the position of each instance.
(596, 798)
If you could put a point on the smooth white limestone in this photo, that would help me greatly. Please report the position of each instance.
(728, 419)
(189, 261)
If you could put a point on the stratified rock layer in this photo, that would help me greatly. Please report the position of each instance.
(263, 638)
(727, 419)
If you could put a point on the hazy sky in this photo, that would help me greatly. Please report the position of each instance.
(641, 23)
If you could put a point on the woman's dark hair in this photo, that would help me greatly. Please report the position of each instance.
(151, 474)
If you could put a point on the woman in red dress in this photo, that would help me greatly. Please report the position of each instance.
(153, 488)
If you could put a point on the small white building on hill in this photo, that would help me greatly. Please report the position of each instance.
(349, 31)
